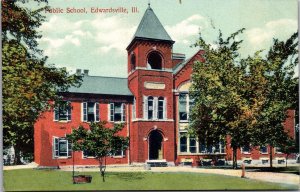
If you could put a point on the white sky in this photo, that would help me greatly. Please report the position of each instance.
(98, 41)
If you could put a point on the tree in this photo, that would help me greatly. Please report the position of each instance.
(287, 146)
(29, 83)
(281, 92)
(219, 86)
(246, 99)
(100, 141)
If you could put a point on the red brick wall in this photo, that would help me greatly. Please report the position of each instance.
(140, 129)
(45, 128)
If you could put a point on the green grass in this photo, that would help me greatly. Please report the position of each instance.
(31, 180)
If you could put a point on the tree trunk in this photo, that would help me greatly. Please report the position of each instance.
(17, 158)
(102, 169)
(234, 158)
(271, 156)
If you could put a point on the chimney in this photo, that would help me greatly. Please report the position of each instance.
(78, 71)
(86, 72)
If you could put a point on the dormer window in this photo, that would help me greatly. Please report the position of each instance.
(154, 61)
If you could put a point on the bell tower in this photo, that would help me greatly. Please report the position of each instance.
(150, 79)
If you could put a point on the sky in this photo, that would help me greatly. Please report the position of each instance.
(98, 41)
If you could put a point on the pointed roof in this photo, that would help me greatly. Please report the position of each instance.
(150, 28)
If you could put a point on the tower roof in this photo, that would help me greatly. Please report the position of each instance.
(150, 28)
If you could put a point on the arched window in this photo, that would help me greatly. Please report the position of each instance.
(154, 60)
(150, 107)
(133, 61)
(160, 111)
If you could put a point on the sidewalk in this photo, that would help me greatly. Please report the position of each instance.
(284, 178)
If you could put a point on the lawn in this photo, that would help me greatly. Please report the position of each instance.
(31, 180)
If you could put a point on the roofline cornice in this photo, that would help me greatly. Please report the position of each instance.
(147, 39)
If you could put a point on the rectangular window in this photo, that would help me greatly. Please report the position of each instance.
(263, 149)
(119, 153)
(183, 143)
(134, 109)
(193, 145)
(90, 112)
(61, 147)
(117, 112)
(246, 149)
(150, 107)
(215, 149)
(183, 116)
(62, 112)
(278, 150)
(88, 154)
(161, 107)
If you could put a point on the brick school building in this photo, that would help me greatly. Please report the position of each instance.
(153, 102)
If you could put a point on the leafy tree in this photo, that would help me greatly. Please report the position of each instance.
(245, 99)
(28, 82)
(281, 92)
(100, 141)
(219, 88)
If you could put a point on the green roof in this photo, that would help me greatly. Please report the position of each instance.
(103, 85)
(151, 28)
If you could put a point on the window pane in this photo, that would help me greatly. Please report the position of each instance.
(183, 116)
(118, 108)
(91, 108)
(84, 105)
(117, 117)
(160, 108)
(192, 145)
(182, 107)
(150, 108)
(63, 147)
(64, 111)
(246, 149)
(183, 144)
(263, 149)
(182, 102)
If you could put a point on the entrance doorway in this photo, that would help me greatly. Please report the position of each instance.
(155, 145)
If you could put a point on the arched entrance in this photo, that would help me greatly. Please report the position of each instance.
(155, 145)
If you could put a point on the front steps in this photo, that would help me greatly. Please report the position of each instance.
(157, 163)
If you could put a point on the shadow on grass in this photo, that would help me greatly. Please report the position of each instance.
(129, 176)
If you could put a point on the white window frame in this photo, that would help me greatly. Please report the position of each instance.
(134, 109)
(187, 138)
(246, 152)
(195, 146)
(198, 149)
(155, 108)
(263, 152)
(111, 114)
(188, 106)
(55, 148)
(68, 113)
(123, 152)
(84, 112)
(163, 108)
